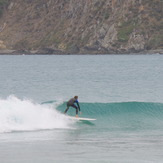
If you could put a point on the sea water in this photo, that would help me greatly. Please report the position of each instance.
(123, 92)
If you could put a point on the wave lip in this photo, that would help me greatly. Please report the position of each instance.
(24, 115)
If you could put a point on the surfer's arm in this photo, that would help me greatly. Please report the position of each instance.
(78, 104)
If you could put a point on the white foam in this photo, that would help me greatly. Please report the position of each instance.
(25, 115)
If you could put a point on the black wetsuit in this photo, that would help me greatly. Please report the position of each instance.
(71, 103)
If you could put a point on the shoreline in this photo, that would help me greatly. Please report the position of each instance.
(58, 52)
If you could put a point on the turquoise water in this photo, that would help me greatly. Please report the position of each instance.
(123, 92)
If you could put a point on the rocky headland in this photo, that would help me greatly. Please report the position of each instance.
(81, 26)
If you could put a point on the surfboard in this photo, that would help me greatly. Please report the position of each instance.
(82, 118)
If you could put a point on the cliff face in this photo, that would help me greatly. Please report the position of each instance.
(82, 26)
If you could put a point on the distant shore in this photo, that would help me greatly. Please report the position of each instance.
(58, 52)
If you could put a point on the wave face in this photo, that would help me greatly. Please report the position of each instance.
(123, 115)
(24, 115)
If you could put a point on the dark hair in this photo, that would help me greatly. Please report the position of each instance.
(75, 97)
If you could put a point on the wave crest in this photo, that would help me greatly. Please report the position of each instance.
(25, 115)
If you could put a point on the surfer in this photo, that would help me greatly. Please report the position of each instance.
(71, 103)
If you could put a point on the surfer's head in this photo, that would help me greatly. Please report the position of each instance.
(76, 97)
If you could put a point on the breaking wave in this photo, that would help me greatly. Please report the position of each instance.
(25, 115)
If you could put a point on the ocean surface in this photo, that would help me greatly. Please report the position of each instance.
(123, 92)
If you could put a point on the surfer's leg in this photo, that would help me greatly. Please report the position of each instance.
(66, 109)
(74, 106)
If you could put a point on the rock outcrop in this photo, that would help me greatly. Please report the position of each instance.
(81, 26)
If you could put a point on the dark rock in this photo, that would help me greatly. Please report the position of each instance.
(21, 51)
(74, 49)
(49, 51)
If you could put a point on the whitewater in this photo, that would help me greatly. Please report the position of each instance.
(24, 115)
(123, 92)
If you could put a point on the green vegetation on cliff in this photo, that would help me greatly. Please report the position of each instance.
(125, 30)
(82, 26)
(3, 4)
